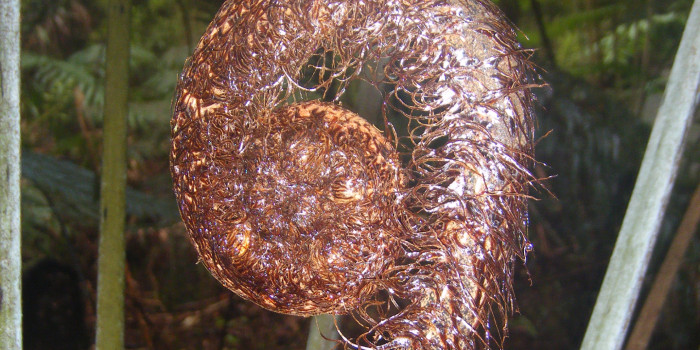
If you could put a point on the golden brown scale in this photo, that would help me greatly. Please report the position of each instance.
(305, 208)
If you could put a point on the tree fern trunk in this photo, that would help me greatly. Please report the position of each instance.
(10, 257)
(110, 287)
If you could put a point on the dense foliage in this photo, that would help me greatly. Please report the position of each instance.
(606, 62)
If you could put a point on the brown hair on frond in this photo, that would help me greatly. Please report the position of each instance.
(303, 207)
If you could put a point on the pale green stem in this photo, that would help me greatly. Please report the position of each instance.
(110, 282)
(10, 235)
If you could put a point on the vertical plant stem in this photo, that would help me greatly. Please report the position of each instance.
(642, 77)
(185, 9)
(539, 19)
(323, 332)
(628, 264)
(110, 285)
(10, 236)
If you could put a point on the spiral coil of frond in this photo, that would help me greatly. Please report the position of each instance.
(304, 208)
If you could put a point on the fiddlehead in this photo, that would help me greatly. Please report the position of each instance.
(305, 208)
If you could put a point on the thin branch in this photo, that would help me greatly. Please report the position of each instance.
(546, 43)
(646, 321)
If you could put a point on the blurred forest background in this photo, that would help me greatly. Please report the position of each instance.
(606, 63)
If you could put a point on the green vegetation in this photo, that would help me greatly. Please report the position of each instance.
(606, 62)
